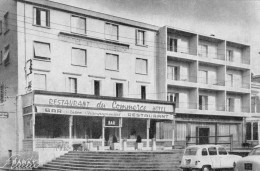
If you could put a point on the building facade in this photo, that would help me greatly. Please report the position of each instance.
(71, 75)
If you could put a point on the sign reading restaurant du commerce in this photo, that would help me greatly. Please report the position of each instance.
(52, 104)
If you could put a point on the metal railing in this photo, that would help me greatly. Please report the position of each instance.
(206, 140)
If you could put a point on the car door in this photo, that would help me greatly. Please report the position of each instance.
(215, 159)
(225, 160)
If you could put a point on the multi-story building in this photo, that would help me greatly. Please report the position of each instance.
(70, 75)
(209, 80)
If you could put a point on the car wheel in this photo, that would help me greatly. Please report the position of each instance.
(206, 168)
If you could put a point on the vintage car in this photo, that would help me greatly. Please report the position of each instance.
(251, 162)
(207, 157)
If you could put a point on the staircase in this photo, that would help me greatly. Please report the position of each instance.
(116, 160)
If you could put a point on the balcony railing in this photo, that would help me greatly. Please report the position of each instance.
(211, 55)
(211, 82)
(184, 78)
(244, 60)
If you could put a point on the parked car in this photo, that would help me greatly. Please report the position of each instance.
(207, 158)
(251, 162)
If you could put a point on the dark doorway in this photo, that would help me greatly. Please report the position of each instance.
(202, 135)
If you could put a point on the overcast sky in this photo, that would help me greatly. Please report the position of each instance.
(235, 20)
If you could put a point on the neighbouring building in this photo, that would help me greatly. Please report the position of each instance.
(70, 75)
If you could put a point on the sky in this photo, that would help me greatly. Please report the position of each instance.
(234, 20)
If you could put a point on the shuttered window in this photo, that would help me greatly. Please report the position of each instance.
(39, 82)
(78, 25)
(79, 57)
(42, 50)
(111, 31)
(141, 66)
(112, 62)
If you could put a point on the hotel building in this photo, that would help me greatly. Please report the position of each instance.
(70, 75)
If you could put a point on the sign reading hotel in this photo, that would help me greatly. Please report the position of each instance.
(74, 102)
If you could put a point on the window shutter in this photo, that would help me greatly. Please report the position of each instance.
(145, 38)
(136, 37)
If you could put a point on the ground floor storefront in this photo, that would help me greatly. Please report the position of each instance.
(206, 129)
(61, 122)
(252, 131)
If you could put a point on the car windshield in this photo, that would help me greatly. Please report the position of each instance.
(255, 151)
(191, 151)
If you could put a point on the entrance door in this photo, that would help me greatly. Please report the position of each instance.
(111, 135)
(203, 135)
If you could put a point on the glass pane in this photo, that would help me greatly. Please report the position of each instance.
(190, 152)
(222, 151)
(255, 131)
(248, 131)
(212, 151)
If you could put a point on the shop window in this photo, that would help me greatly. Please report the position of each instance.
(172, 44)
(141, 66)
(248, 131)
(39, 82)
(173, 72)
(51, 126)
(6, 59)
(230, 104)
(119, 90)
(41, 17)
(181, 129)
(229, 54)
(78, 25)
(203, 52)
(140, 37)
(111, 31)
(6, 22)
(203, 102)
(42, 51)
(143, 92)
(97, 88)
(79, 57)
(72, 85)
(112, 62)
(255, 131)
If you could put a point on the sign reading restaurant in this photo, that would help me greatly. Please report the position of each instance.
(74, 102)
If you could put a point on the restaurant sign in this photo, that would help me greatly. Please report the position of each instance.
(103, 113)
(59, 101)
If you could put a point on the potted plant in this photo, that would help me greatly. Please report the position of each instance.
(115, 144)
(138, 144)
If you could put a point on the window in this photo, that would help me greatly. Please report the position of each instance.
(2, 93)
(72, 85)
(248, 131)
(203, 52)
(222, 151)
(111, 31)
(1, 28)
(230, 80)
(119, 90)
(254, 104)
(203, 76)
(1, 57)
(229, 55)
(203, 102)
(173, 97)
(112, 62)
(143, 92)
(255, 131)
(204, 152)
(173, 72)
(212, 151)
(191, 151)
(41, 17)
(6, 58)
(230, 104)
(6, 22)
(78, 25)
(172, 44)
(39, 82)
(42, 50)
(140, 37)
(79, 57)
(97, 88)
(141, 66)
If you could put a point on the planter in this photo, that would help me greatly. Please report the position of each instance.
(139, 146)
(115, 146)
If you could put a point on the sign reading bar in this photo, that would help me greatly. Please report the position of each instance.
(112, 122)
(101, 104)
(103, 113)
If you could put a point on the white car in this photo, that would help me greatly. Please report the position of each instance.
(251, 162)
(207, 157)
